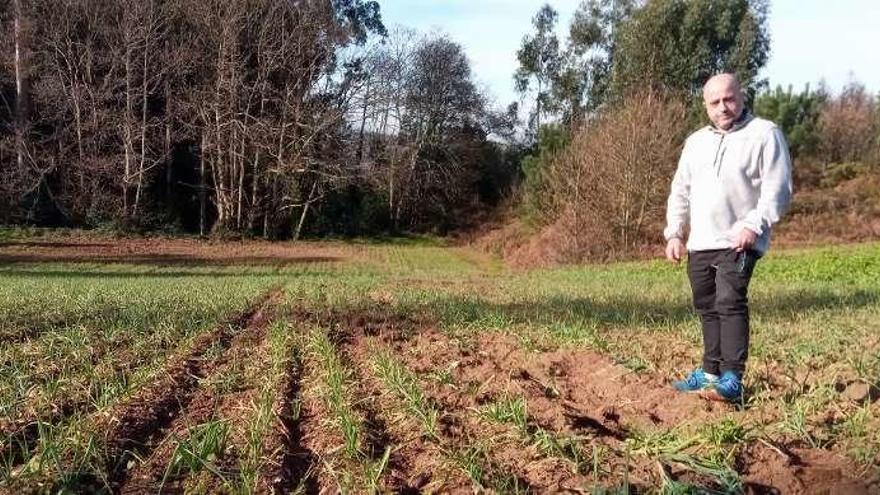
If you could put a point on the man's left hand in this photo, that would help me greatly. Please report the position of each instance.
(744, 240)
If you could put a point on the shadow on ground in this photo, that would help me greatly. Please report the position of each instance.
(629, 311)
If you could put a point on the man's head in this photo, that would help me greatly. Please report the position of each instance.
(723, 99)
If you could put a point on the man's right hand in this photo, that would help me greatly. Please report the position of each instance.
(675, 250)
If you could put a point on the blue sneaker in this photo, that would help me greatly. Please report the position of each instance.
(728, 388)
(698, 380)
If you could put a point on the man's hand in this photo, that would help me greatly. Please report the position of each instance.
(675, 250)
(744, 240)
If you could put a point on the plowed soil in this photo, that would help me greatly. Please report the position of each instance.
(583, 410)
(169, 252)
(582, 395)
(163, 408)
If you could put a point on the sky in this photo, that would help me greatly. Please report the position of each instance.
(837, 41)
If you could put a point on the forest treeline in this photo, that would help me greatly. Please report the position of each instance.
(258, 117)
(283, 118)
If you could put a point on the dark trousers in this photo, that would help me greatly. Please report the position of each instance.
(720, 284)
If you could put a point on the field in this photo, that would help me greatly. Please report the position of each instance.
(148, 365)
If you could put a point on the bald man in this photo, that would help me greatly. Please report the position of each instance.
(733, 183)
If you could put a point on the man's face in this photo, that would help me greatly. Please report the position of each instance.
(723, 100)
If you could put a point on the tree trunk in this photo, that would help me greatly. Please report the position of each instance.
(305, 210)
(266, 213)
(77, 117)
(240, 199)
(203, 156)
(128, 149)
(144, 89)
(166, 148)
(255, 181)
(360, 152)
(19, 86)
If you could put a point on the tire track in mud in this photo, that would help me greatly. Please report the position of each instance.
(136, 427)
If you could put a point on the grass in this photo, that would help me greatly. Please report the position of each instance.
(470, 457)
(200, 449)
(86, 335)
(76, 345)
(514, 411)
(336, 382)
(359, 468)
(404, 384)
(99, 334)
(284, 353)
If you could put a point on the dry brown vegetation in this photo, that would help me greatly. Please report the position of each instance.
(603, 196)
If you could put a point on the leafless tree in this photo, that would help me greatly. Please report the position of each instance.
(269, 106)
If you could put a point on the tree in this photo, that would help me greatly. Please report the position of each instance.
(583, 82)
(678, 44)
(421, 128)
(247, 92)
(536, 197)
(796, 113)
(605, 192)
(539, 62)
(444, 114)
(20, 69)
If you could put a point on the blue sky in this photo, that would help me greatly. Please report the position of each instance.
(810, 39)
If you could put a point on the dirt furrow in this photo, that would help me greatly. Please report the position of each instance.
(135, 427)
(22, 432)
(303, 442)
(317, 434)
(513, 452)
(21, 435)
(398, 475)
(416, 463)
(289, 462)
(607, 400)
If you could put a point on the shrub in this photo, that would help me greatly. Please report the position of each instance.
(552, 140)
(848, 127)
(606, 192)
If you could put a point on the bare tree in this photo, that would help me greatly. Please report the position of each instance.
(256, 101)
(20, 63)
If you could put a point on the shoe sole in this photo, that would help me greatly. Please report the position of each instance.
(693, 391)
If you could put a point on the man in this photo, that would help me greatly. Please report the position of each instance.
(733, 183)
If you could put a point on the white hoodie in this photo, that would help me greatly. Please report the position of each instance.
(727, 181)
